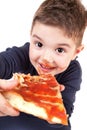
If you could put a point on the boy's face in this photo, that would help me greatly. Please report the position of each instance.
(50, 50)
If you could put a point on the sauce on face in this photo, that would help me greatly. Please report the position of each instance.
(44, 94)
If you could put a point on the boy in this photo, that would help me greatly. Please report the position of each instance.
(55, 39)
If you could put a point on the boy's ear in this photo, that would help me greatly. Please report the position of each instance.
(78, 50)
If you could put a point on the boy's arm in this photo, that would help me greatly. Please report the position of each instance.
(11, 61)
(15, 59)
(71, 79)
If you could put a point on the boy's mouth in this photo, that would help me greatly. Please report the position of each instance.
(45, 68)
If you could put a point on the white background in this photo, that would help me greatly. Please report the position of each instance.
(15, 22)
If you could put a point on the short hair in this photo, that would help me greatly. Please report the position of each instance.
(69, 15)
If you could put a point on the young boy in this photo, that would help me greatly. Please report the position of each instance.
(55, 39)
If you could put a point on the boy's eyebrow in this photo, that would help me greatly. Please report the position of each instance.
(34, 35)
(64, 44)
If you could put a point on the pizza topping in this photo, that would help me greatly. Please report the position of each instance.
(43, 90)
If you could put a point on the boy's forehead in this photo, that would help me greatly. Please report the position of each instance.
(48, 29)
(40, 27)
(50, 34)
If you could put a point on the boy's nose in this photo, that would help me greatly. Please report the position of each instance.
(48, 56)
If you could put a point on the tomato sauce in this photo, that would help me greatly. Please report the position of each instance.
(44, 93)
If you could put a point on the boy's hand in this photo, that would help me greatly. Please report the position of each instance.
(62, 87)
(5, 108)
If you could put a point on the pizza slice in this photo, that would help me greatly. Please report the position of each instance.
(39, 96)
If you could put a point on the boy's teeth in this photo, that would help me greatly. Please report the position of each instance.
(45, 67)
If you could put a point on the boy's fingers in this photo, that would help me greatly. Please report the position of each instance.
(7, 84)
(6, 108)
(62, 87)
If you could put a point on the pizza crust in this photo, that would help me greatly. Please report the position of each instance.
(17, 101)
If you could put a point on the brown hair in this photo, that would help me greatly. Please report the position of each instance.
(69, 15)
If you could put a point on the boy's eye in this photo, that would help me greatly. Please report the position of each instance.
(59, 50)
(38, 44)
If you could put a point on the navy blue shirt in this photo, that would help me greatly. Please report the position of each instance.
(16, 59)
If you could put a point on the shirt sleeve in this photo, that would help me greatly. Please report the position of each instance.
(15, 59)
(71, 79)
